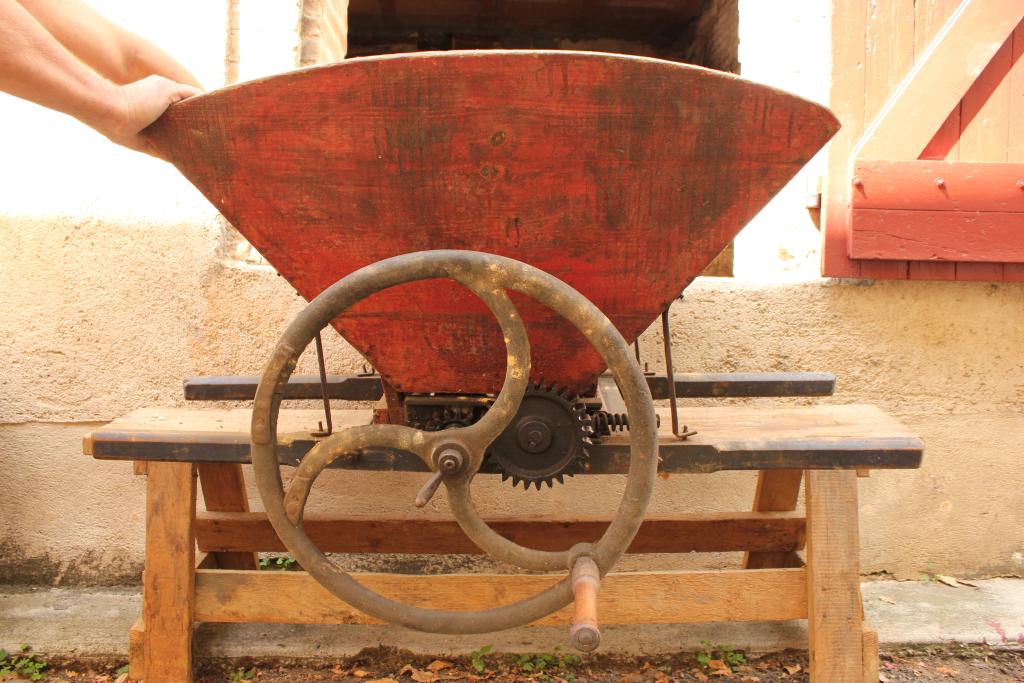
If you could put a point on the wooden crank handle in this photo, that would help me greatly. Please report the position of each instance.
(586, 580)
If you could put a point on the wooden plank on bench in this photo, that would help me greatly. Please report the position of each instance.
(660, 533)
(368, 387)
(729, 438)
(668, 597)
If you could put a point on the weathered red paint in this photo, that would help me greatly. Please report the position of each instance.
(922, 85)
(623, 176)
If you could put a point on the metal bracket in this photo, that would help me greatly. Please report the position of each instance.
(323, 391)
(666, 338)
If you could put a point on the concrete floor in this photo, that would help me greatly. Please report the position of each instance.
(95, 622)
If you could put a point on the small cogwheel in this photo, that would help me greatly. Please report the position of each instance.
(546, 440)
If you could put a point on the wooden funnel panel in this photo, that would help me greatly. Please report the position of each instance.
(623, 176)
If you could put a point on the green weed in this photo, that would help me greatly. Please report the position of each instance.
(722, 653)
(24, 664)
(476, 657)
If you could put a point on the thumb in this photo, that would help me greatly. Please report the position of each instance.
(176, 92)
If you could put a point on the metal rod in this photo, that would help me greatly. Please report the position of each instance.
(670, 372)
(323, 389)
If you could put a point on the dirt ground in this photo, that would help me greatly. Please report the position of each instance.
(381, 665)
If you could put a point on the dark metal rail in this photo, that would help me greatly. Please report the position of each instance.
(368, 387)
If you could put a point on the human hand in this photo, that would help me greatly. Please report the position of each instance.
(136, 106)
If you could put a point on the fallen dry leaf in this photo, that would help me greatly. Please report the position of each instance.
(886, 598)
(750, 679)
(948, 580)
(361, 673)
(338, 671)
(123, 678)
(718, 665)
(791, 670)
(423, 676)
(439, 664)
(407, 669)
(700, 675)
(383, 680)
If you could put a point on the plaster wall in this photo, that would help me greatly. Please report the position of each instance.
(114, 286)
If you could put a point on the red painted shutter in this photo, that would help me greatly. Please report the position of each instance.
(926, 179)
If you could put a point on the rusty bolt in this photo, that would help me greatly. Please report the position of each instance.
(1020, 184)
(498, 138)
(450, 461)
(857, 182)
(939, 183)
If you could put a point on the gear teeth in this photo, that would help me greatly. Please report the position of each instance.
(584, 425)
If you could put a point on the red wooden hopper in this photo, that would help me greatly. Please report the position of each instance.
(622, 176)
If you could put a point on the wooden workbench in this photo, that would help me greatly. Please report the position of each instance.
(796, 566)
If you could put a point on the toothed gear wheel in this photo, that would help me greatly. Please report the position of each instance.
(546, 441)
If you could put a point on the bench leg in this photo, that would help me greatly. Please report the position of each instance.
(224, 491)
(136, 658)
(834, 620)
(870, 645)
(777, 491)
(168, 582)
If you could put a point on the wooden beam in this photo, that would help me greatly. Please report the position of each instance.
(962, 236)
(419, 534)
(923, 185)
(167, 582)
(939, 78)
(846, 99)
(728, 438)
(777, 491)
(224, 491)
(869, 640)
(136, 653)
(630, 598)
(835, 642)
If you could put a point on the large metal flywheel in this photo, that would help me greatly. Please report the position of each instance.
(455, 455)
